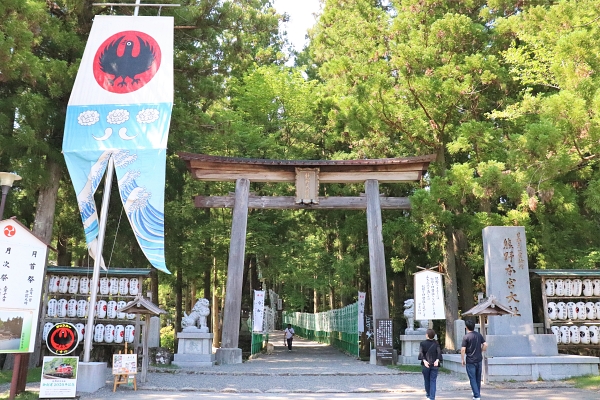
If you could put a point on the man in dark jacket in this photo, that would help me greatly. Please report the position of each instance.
(430, 355)
(471, 355)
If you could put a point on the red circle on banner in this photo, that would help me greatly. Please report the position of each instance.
(9, 231)
(126, 61)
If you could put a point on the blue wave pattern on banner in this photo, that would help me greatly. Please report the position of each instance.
(135, 136)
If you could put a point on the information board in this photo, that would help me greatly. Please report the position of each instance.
(124, 364)
(59, 377)
(22, 262)
(429, 296)
(384, 341)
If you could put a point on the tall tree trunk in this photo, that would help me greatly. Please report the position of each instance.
(178, 301)
(450, 289)
(215, 306)
(206, 284)
(154, 285)
(315, 301)
(465, 275)
(42, 228)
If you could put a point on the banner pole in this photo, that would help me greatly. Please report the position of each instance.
(89, 328)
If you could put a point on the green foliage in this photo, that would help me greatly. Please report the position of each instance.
(167, 337)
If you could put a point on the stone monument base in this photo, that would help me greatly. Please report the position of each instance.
(530, 368)
(410, 349)
(91, 376)
(521, 345)
(194, 350)
(229, 356)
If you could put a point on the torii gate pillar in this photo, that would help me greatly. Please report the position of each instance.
(229, 353)
(379, 291)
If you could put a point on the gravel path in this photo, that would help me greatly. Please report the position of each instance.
(309, 368)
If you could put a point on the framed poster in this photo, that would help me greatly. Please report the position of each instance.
(59, 377)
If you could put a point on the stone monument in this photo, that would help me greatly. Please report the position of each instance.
(515, 352)
(195, 342)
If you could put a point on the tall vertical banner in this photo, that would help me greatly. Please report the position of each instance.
(429, 296)
(361, 311)
(258, 311)
(120, 107)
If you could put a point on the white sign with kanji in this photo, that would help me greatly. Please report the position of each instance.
(258, 313)
(429, 296)
(22, 261)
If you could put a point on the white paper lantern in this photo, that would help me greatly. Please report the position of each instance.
(590, 309)
(565, 337)
(552, 310)
(84, 285)
(111, 309)
(588, 287)
(61, 308)
(571, 310)
(561, 308)
(574, 334)
(129, 333)
(584, 334)
(568, 287)
(53, 284)
(597, 307)
(560, 287)
(576, 287)
(104, 285)
(121, 315)
(581, 311)
(114, 285)
(550, 289)
(73, 285)
(82, 308)
(99, 333)
(63, 284)
(130, 316)
(134, 286)
(119, 333)
(596, 283)
(80, 330)
(109, 333)
(123, 286)
(47, 327)
(52, 308)
(594, 339)
(556, 330)
(72, 308)
(101, 305)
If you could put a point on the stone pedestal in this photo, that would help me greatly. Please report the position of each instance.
(91, 376)
(547, 368)
(229, 356)
(410, 349)
(194, 350)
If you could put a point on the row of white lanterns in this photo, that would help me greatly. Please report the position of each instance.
(576, 334)
(102, 333)
(80, 308)
(75, 285)
(572, 287)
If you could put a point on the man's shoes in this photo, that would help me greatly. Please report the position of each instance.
(476, 398)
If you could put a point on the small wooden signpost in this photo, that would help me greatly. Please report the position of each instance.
(124, 367)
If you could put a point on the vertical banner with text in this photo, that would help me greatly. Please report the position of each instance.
(258, 311)
(361, 311)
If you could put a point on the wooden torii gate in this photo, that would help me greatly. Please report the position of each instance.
(307, 175)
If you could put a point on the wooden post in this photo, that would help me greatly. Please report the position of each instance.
(235, 267)
(485, 359)
(145, 354)
(379, 292)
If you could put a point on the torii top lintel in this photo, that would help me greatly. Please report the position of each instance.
(385, 170)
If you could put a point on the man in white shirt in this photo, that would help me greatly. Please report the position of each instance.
(289, 336)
